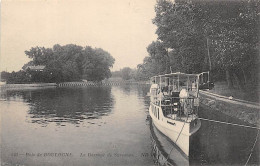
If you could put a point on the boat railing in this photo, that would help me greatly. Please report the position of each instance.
(179, 108)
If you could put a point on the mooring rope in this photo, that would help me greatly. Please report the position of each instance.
(234, 124)
(252, 148)
(251, 151)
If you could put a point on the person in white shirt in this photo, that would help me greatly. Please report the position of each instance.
(183, 97)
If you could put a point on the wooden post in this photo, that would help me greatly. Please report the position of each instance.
(188, 81)
(160, 91)
(198, 85)
(208, 79)
(208, 53)
(178, 82)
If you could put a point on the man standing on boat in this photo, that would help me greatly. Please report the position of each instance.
(161, 96)
(183, 99)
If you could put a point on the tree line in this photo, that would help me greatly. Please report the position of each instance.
(195, 36)
(128, 73)
(63, 64)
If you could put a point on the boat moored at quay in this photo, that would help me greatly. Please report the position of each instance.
(174, 107)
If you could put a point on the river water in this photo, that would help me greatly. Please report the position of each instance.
(104, 126)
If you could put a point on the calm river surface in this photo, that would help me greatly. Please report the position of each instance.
(103, 126)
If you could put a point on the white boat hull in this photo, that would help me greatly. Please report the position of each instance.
(179, 132)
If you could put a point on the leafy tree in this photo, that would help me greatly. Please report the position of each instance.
(19, 77)
(4, 75)
(39, 55)
(206, 35)
(65, 63)
(178, 30)
(159, 56)
(96, 64)
(116, 74)
(233, 40)
(126, 73)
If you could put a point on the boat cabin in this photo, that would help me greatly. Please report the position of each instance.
(177, 94)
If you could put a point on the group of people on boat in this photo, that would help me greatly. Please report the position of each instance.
(172, 95)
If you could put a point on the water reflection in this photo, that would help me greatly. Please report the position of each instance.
(65, 105)
(160, 157)
(223, 144)
(61, 118)
(95, 120)
(139, 90)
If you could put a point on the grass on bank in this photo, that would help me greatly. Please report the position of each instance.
(249, 93)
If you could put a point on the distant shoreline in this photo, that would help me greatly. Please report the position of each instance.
(70, 84)
(28, 85)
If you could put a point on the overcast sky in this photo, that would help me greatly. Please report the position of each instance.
(122, 27)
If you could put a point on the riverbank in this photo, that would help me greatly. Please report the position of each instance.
(246, 112)
(250, 93)
(21, 86)
(72, 84)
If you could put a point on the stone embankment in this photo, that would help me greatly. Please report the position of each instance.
(79, 84)
(22, 86)
(244, 110)
(72, 84)
(105, 83)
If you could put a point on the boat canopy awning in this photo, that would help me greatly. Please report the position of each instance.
(177, 75)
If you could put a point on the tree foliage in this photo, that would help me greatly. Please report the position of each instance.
(67, 63)
(126, 73)
(96, 64)
(220, 36)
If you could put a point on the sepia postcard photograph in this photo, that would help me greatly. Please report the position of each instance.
(129, 82)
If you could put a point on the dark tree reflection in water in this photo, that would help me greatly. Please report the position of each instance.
(87, 122)
(66, 105)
